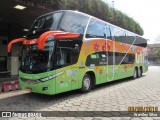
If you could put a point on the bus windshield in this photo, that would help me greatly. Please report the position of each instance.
(37, 61)
(63, 21)
(45, 23)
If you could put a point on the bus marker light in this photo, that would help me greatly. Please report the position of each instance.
(45, 88)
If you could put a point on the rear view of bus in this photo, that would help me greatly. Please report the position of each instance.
(64, 51)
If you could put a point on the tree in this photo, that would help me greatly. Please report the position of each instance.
(158, 52)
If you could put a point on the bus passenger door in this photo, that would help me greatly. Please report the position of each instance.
(75, 66)
(68, 51)
(63, 80)
(64, 71)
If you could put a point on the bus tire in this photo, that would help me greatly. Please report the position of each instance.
(86, 83)
(139, 72)
(135, 73)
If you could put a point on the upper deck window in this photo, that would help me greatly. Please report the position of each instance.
(96, 29)
(74, 22)
(45, 23)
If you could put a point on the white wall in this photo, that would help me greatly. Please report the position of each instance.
(14, 65)
(15, 54)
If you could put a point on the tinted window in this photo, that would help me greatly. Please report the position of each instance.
(93, 59)
(118, 35)
(114, 32)
(100, 58)
(35, 60)
(140, 42)
(123, 58)
(108, 32)
(129, 38)
(121, 37)
(96, 29)
(73, 22)
(67, 52)
(45, 23)
(110, 58)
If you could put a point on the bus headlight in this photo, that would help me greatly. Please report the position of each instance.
(27, 81)
(45, 79)
(51, 77)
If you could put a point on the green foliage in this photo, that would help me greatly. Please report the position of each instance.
(158, 52)
(101, 10)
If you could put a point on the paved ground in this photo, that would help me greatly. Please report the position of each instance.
(114, 96)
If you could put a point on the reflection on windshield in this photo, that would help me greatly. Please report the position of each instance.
(44, 24)
(74, 22)
(36, 61)
(69, 22)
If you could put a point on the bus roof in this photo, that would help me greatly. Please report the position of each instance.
(92, 17)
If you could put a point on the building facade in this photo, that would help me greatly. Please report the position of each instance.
(154, 54)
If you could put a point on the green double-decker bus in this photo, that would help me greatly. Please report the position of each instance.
(67, 50)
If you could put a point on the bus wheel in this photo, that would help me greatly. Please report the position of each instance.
(86, 83)
(135, 73)
(139, 72)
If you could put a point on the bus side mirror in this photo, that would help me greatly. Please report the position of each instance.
(14, 41)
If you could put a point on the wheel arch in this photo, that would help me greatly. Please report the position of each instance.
(136, 67)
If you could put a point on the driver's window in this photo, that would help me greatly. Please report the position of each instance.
(63, 56)
(67, 52)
